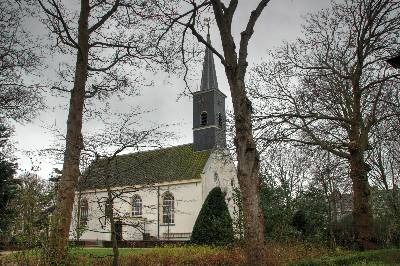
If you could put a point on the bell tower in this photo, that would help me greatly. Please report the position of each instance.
(209, 118)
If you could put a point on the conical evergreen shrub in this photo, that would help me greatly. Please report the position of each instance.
(214, 223)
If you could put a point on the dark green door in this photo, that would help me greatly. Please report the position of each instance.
(118, 230)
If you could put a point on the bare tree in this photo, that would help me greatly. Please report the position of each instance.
(104, 148)
(288, 165)
(331, 88)
(385, 164)
(108, 34)
(294, 169)
(20, 99)
(235, 64)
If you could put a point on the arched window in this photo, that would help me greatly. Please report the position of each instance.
(203, 118)
(220, 120)
(84, 212)
(168, 208)
(137, 206)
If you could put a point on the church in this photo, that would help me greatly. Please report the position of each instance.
(158, 194)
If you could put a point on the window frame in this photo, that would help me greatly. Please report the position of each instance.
(83, 212)
(137, 210)
(168, 203)
(203, 119)
(220, 120)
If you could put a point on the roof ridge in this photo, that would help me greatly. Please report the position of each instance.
(157, 149)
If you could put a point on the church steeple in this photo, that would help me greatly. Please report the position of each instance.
(209, 123)
(209, 76)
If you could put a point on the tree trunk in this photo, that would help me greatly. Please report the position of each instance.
(362, 215)
(235, 65)
(110, 214)
(248, 176)
(363, 221)
(74, 143)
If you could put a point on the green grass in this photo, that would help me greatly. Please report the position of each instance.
(160, 251)
(300, 255)
(170, 255)
(371, 258)
(103, 252)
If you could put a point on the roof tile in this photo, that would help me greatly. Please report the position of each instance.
(156, 166)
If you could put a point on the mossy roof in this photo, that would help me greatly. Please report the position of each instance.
(146, 168)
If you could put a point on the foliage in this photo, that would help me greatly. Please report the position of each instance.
(386, 223)
(238, 226)
(277, 207)
(214, 224)
(33, 203)
(344, 232)
(288, 217)
(8, 185)
(299, 221)
(386, 216)
(312, 203)
(7, 193)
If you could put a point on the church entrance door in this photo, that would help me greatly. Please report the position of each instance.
(118, 230)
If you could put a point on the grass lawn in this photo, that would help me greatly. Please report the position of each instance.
(188, 255)
(294, 255)
(370, 258)
(159, 251)
(104, 252)
(376, 257)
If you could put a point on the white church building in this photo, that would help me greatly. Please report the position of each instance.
(158, 194)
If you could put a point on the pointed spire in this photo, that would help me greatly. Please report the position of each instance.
(209, 76)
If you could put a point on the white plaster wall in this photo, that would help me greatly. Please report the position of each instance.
(220, 171)
(95, 231)
(188, 202)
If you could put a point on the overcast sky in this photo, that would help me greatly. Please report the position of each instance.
(281, 20)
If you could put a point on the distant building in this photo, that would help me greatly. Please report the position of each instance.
(161, 191)
(342, 204)
(380, 200)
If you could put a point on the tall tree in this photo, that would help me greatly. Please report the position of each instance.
(385, 163)
(235, 64)
(108, 35)
(332, 87)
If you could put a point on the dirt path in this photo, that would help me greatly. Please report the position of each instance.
(3, 253)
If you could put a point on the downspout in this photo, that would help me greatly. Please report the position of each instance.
(78, 218)
(158, 213)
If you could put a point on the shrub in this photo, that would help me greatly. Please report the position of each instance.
(299, 221)
(214, 224)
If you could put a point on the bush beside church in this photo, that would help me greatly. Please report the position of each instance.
(214, 223)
